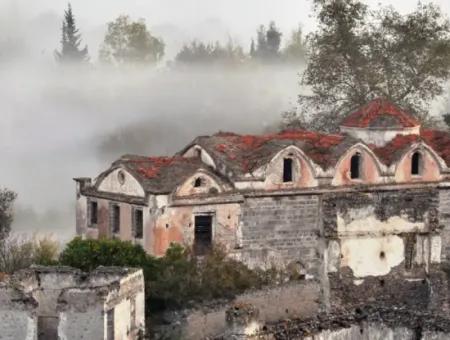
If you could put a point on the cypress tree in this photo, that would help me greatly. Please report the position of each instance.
(71, 41)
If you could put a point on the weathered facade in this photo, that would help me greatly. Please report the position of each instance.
(63, 303)
(354, 208)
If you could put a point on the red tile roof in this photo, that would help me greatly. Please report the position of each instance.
(380, 113)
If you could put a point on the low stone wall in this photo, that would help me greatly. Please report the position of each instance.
(292, 300)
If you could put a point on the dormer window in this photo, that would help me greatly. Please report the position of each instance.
(198, 182)
(355, 166)
(287, 170)
(416, 161)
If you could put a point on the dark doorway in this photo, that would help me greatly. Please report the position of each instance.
(203, 234)
(48, 327)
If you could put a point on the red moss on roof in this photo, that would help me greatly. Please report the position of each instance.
(150, 167)
(439, 141)
(376, 109)
(242, 147)
(387, 153)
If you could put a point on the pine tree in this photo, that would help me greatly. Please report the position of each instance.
(71, 41)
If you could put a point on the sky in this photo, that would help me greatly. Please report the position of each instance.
(57, 125)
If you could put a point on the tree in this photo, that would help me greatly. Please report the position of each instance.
(210, 54)
(71, 41)
(295, 50)
(268, 43)
(129, 42)
(7, 198)
(357, 55)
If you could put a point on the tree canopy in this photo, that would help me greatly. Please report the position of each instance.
(358, 54)
(71, 52)
(130, 42)
(198, 52)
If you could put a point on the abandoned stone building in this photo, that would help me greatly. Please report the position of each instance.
(372, 201)
(51, 303)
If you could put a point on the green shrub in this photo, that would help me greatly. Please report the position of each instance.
(175, 280)
(90, 254)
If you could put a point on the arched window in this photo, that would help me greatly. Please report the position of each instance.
(355, 166)
(287, 170)
(416, 161)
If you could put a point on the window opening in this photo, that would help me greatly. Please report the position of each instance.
(115, 218)
(287, 170)
(415, 163)
(203, 234)
(355, 166)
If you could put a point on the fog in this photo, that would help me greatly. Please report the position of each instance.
(60, 123)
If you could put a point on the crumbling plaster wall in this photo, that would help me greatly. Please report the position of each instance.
(177, 224)
(129, 185)
(382, 246)
(208, 185)
(369, 170)
(429, 168)
(70, 304)
(302, 174)
(18, 318)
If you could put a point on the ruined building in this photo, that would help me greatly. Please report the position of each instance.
(50, 303)
(361, 208)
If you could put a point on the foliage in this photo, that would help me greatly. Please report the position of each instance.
(7, 198)
(357, 55)
(447, 119)
(268, 43)
(175, 280)
(71, 41)
(90, 254)
(199, 53)
(17, 253)
(295, 50)
(129, 42)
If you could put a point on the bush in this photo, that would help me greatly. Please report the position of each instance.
(19, 253)
(90, 254)
(175, 280)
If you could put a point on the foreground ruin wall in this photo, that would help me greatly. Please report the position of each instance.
(285, 301)
(50, 303)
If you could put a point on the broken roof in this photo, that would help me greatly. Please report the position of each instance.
(158, 174)
(245, 153)
(380, 113)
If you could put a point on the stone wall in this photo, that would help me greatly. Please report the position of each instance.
(300, 299)
(281, 230)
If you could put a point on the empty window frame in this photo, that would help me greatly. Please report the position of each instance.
(93, 213)
(355, 166)
(287, 170)
(203, 234)
(114, 217)
(416, 164)
(138, 223)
